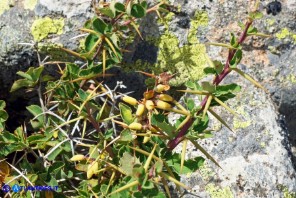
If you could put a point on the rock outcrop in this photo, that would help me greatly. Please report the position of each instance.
(259, 159)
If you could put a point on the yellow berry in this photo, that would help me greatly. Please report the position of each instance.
(55, 134)
(140, 110)
(92, 168)
(159, 88)
(149, 104)
(163, 105)
(146, 139)
(166, 97)
(130, 100)
(135, 126)
(78, 157)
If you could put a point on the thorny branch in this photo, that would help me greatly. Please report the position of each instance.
(217, 80)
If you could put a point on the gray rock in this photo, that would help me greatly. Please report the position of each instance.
(67, 8)
(254, 159)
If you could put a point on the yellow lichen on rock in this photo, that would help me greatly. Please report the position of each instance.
(30, 4)
(285, 33)
(42, 27)
(216, 192)
(4, 5)
(187, 61)
(200, 19)
(237, 123)
(292, 78)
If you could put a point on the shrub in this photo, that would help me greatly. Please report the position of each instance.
(88, 140)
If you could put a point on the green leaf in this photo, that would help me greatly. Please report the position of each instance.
(256, 15)
(35, 138)
(66, 146)
(233, 41)
(25, 75)
(72, 71)
(36, 73)
(3, 116)
(2, 104)
(218, 66)
(199, 125)
(193, 85)
(126, 113)
(236, 58)
(144, 4)
(150, 82)
(9, 138)
(12, 147)
(93, 152)
(100, 26)
(26, 165)
(126, 136)
(114, 38)
(55, 153)
(209, 70)
(19, 132)
(90, 42)
(82, 95)
(2, 127)
(207, 86)
(91, 72)
(149, 193)
(108, 12)
(108, 134)
(88, 24)
(46, 78)
(158, 166)
(116, 6)
(138, 11)
(190, 165)
(127, 163)
(55, 167)
(148, 185)
(32, 177)
(241, 25)
(190, 104)
(138, 172)
(252, 30)
(36, 110)
(22, 83)
(52, 182)
(225, 89)
(160, 121)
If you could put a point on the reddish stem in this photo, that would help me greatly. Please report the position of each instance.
(217, 80)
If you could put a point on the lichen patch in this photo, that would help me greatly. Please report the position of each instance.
(30, 4)
(42, 27)
(216, 192)
(286, 33)
(4, 5)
